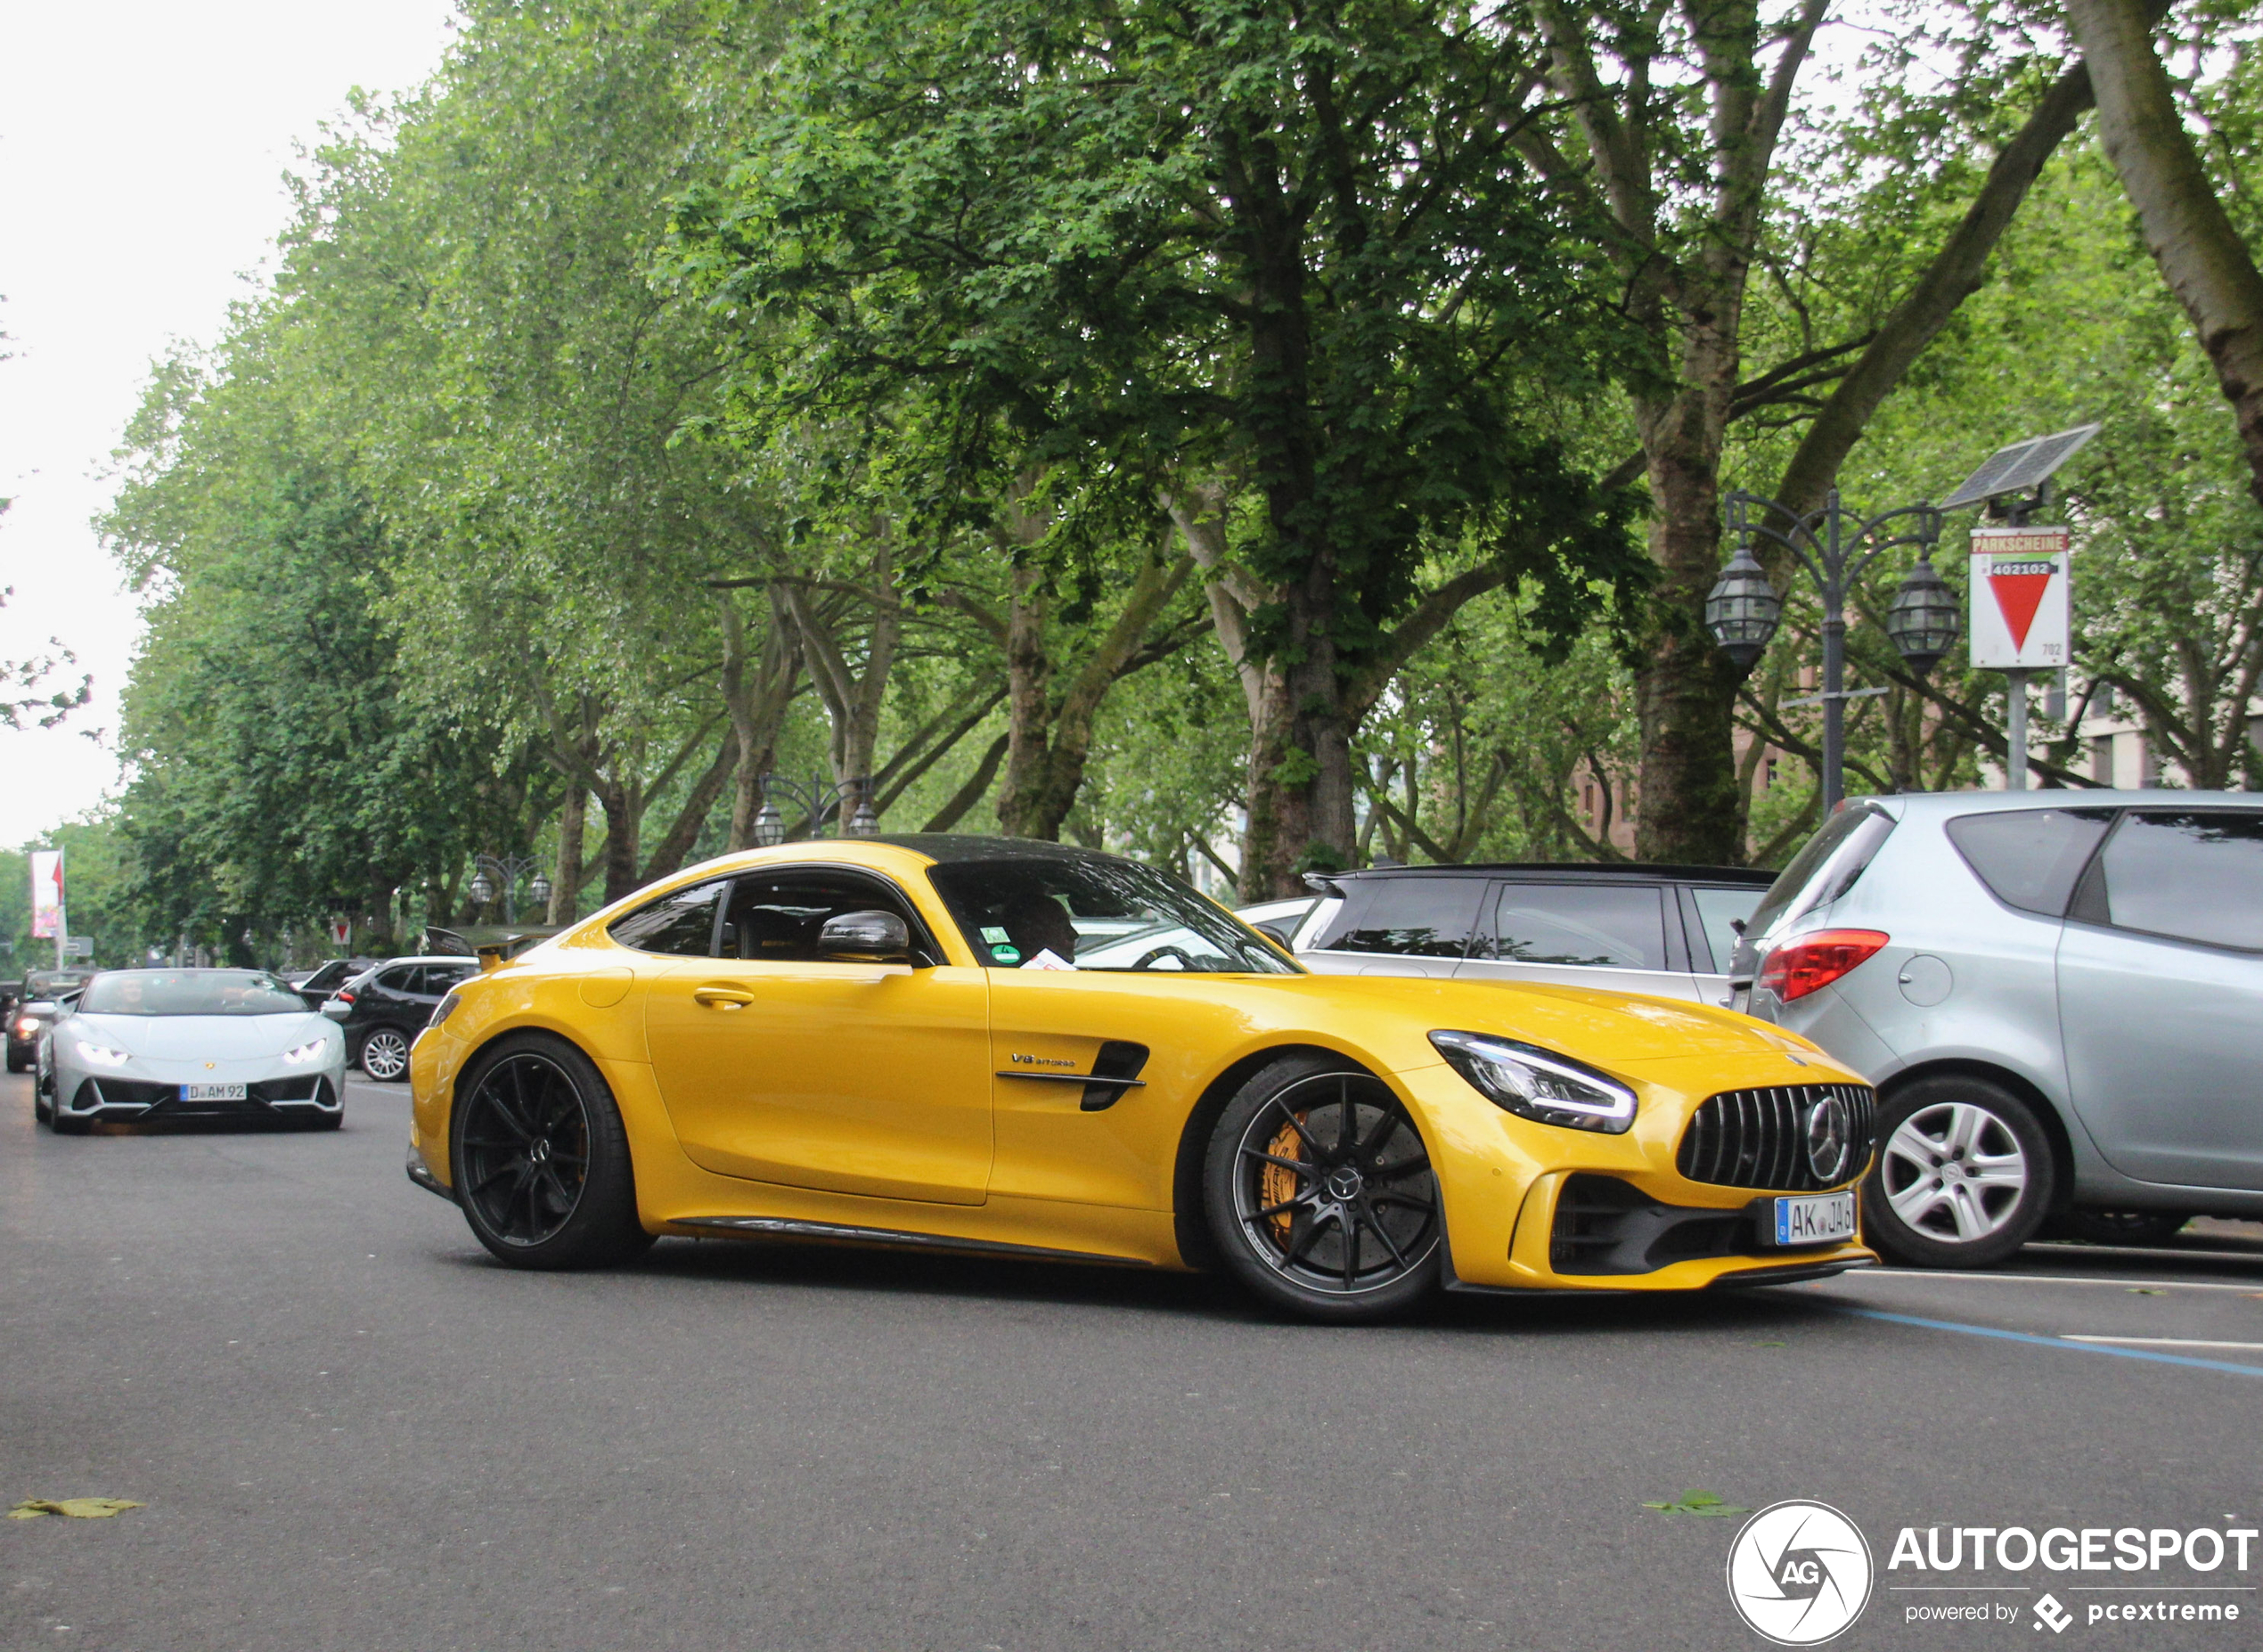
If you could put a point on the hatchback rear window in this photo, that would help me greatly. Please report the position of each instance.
(1860, 830)
(2030, 858)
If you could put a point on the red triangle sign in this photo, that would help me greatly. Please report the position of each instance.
(2017, 597)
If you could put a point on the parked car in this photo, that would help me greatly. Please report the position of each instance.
(1278, 921)
(2058, 995)
(1665, 930)
(315, 985)
(37, 1009)
(384, 1008)
(143, 1044)
(913, 1043)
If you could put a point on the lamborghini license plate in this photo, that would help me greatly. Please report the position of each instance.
(237, 1092)
(1820, 1220)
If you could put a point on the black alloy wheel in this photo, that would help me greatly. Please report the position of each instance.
(541, 1159)
(1320, 1194)
(384, 1054)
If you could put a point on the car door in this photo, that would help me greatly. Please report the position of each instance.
(1611, 935)
(778, 1065)
(2161, 994)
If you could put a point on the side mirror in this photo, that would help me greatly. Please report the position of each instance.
(865, 937)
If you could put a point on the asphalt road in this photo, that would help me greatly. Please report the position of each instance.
(350, 1431)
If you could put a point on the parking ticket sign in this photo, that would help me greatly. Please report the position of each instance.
(2021, 608)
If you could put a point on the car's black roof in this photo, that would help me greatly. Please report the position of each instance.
(1578, 871)
(946, 846)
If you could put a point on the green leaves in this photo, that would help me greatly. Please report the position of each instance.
(1703, 1504)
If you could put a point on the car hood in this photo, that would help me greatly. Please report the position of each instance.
(202, 1037)
(1608, 1028)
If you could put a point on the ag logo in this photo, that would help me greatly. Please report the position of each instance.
(1799, 1572)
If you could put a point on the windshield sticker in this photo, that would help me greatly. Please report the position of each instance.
(1007, 954)
(995, 936)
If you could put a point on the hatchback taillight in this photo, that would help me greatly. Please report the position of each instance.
(1813, 962)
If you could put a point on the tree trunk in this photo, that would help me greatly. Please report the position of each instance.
(758, 700)
(1687, 806)
(853, 700)
(2200, 254)
(971, 793)
(668, 853)
(566, 880)
(1029, 678)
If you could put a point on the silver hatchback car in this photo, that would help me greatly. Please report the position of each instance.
(2059, 995)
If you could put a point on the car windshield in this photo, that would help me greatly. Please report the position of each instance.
(47, 983)
(189, 992)
(1072, 913)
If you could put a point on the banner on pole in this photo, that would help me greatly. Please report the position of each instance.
(46, 893)
(2022, 611)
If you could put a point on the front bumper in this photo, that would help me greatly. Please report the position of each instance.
(1531, 1207)
(301, 1095)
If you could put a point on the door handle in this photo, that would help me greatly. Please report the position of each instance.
(721, 997)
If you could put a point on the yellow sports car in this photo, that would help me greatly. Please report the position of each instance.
(1019, 1049)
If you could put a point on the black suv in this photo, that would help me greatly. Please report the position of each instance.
(1664, 930)
(316, 985)
(384, 1009)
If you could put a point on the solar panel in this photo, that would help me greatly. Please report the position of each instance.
(2022, 465)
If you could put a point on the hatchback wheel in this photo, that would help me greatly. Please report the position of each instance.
(385, 1055)
(1321, 1196)
(1964, 1175)
(541, 1159)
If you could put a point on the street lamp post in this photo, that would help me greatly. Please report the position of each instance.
(495, 875)
(815, 800)
(1833, 546)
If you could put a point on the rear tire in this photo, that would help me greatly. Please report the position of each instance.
(541, 1159)
(1964, 1174)
(384, 1054)
(1319, 1194)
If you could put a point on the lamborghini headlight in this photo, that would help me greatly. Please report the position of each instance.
(102, 1055)
(313, 1050)
(1537, 1083)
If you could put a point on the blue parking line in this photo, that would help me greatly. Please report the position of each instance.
(2054, 1342)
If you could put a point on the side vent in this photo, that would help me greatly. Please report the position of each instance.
(1117, 1059)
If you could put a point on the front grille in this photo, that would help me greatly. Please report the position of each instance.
(1758, 1137)
(122, 1092)
(141, 1092)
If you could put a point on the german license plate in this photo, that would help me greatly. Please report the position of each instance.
(1817, 1220)
(237, 1092)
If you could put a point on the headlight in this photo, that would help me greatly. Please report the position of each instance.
(26, 1027)
(313, 1050)
(446, 1007)
(1538, 1083)
(102, 1055)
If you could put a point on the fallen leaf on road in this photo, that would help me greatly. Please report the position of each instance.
(1697, 1503)
(75, 1508)
(2140, 1291)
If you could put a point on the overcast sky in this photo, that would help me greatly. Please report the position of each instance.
(142, 150)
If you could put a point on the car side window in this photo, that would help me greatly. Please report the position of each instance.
(1416, 917)
(441, 978)
(1603, 925)
(2196, 875)
(1719, 912)
(2030, 858)
(402, 980)
(682, 923)
(774, 917)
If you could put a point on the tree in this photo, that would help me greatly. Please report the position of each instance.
(1298, 247)
(2200, 255)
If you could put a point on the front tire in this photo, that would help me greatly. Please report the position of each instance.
(384, 1054)
(541, 1159)
(1319, 1193)
(1965, 1175)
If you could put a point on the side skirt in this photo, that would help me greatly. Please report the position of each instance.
(837, 1233)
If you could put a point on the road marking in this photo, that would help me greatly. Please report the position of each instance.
(2061, 1344)
(2253, 1287)
(2166, 1342)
